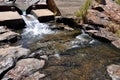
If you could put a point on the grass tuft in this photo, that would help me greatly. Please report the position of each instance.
(83, 10)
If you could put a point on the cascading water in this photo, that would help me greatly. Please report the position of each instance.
(34, 29)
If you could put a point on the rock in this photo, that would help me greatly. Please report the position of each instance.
(9, 55)
(15, 52)
(114, 71)
(97, 18)
(6, 63)
(24, 68)
(44, 57)
(116, 43)
(111, 9)
(35, 76)
(3, 29)
(7, 35)
(104, 34)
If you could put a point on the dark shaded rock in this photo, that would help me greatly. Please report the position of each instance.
(97, 18)
(116, 43)
(24, 68)
(114, 71)
(8, 57)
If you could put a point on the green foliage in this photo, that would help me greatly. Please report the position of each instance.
(117, 1)
(83, 10)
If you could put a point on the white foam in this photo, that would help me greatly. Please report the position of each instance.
(34, 27)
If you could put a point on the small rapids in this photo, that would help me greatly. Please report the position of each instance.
(34, 30)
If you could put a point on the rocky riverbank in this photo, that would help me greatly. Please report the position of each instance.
(106, 22)
(15, 63)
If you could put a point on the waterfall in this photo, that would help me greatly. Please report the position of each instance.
(34, 29)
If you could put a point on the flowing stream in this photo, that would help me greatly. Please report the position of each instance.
(72, 55)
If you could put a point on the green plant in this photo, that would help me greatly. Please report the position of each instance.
(83, 10)
(117, 1)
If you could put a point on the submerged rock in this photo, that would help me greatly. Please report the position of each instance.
(9, 55)
(114, 71)
(24, 68)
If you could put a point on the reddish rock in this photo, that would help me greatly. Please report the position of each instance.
(9, 55)
(111, 10)
(97, 18)
(24, 68)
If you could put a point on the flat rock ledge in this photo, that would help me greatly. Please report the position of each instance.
(7, 35)
(26, 69)
(114, 71)
(9, 56)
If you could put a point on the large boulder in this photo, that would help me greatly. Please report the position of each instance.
(9, 55)
(114, 71)
(24, 68)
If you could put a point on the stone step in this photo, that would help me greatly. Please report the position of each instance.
(43, 15)
(68, 8)
(9, 15)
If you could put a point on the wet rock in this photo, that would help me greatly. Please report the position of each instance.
(97, 18)
(9, 55)
(7, 35)
(114, 71)
(116, 43)
(24, 68)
